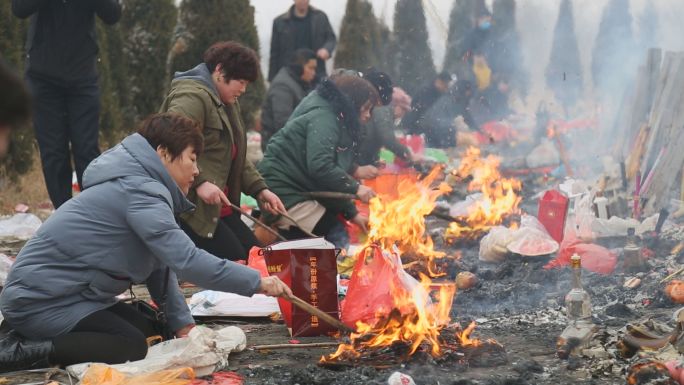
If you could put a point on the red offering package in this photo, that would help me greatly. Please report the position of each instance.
(309, 268)
(553, 208)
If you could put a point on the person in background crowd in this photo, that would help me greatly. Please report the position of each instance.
(60, 300)
(15, 110)
(423, 100)
(439, 125)
(209, 94)
(291, 84)
(61, 51)
(379, 131)
(315, 151)
(302, 26)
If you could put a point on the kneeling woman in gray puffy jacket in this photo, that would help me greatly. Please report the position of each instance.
(60, 296)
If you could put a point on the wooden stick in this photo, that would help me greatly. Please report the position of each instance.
(672, 275)
(331, 195)
(296, 346)
(258, 222)
(308, 234)
(327, 318)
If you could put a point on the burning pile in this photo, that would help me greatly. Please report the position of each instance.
(415, 322)
(416, 325)
(498, 200)
(401, 222)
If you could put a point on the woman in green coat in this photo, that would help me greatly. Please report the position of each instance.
(315, 151)
(208, 94)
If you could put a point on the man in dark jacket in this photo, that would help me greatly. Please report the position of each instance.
(287, 89)
(61, 51)
(302, 26)
(423, 100)
(438, 124)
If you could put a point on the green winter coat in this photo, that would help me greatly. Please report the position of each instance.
(315, 151)
(194, 95)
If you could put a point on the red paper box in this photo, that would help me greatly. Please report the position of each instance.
(553, 208)
(309, 268)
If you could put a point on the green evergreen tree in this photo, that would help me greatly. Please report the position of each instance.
(506, 57)
(384, 46)
(564, 71)
(12, 40)
(116, 116)
(359, 36)
(414, 58)
(204, 22)
(147, 26)
(461, 23)
(613, 58)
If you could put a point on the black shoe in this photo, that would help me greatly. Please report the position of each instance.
(18, 353)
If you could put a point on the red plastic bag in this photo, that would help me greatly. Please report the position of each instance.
(594, 257)
(377, 278)
(256, 261)
(553, 208)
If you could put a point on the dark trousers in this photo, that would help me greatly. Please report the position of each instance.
(113, 336)
(65, 120)
(232, 238)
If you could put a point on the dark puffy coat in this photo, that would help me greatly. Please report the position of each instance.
(283, 96)
(283, 40)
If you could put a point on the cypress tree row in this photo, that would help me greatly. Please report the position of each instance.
(507, 59)
(564, 71)
(613, 57)
(204, 22)
(12, 40)
(147, 27)
(359, 37)
(413, 56)
(461, 23)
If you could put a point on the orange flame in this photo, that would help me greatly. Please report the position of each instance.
(498, 200)
(401, 222)
(422, 323)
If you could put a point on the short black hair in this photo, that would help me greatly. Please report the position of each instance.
(237, 61)
(15, 102)
(382, 83)
(298, 59)
(444, 76)
(172, 131)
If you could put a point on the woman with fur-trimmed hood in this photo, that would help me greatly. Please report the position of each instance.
(315, 151)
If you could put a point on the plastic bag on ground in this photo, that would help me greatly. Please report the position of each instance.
(19, 226)
(210, 303)
(399, 378)
(532, 239)
(100, 374)
(493, 247)
(205, 350)
(378, 277)
(594, 257)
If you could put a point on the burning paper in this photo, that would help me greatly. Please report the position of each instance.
(499, 196)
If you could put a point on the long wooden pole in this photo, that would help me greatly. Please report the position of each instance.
(327, 318)
(258, 222)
